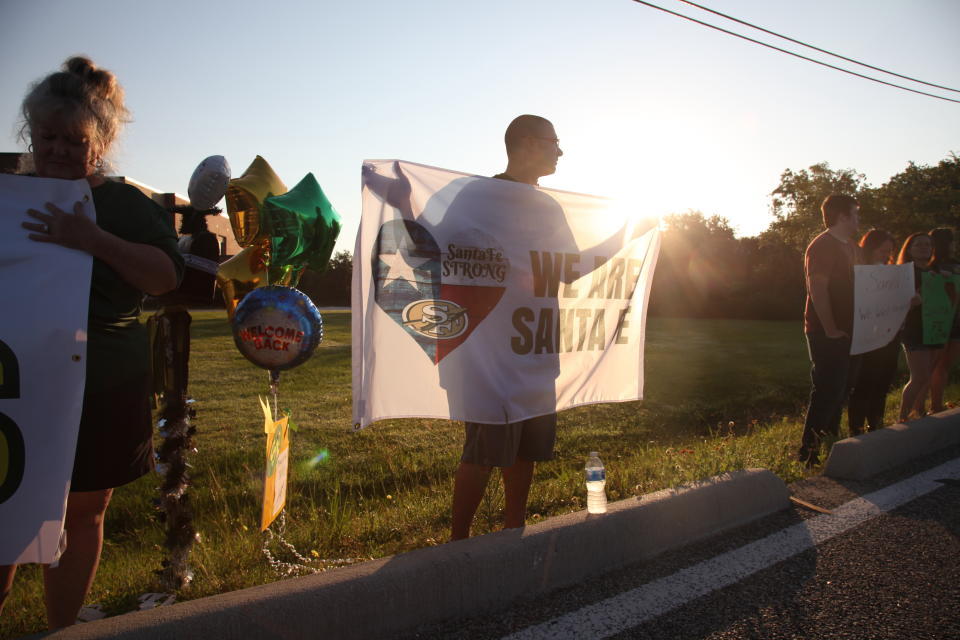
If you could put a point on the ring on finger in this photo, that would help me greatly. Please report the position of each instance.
(45, 227)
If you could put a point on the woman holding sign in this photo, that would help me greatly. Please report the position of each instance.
(921, 358)
(944, 260)
(878, 367)
(72, 119)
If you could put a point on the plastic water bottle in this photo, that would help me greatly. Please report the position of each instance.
(596, 480)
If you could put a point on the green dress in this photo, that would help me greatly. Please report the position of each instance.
(115, 441)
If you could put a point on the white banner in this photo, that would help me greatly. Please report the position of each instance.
(493, 301)
(43, 347)
(881, 300)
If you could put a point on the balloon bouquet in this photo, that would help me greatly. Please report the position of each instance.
(275, 326)
(283, 233)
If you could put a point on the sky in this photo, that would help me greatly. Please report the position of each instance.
(665, 114)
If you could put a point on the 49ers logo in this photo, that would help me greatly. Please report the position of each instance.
(436, 319)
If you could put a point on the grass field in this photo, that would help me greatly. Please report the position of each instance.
(720, 395)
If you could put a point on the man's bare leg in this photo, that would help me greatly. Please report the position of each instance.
(516, 487)
(469, 486)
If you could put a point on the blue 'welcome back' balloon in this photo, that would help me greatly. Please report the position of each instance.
(277, 328)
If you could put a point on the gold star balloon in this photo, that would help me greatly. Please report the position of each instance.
(245, 196)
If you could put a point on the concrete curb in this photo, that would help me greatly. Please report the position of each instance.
(867, 455)
(386, 597)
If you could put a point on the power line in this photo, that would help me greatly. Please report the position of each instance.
(796, 55)
(810, 46)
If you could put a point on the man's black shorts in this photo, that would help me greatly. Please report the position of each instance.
(499, 445)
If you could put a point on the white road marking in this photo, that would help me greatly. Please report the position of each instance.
(632, 608)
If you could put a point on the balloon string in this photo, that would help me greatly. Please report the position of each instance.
(274, 387)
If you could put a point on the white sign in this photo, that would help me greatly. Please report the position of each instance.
(493, 301)
(881, 300)
(45, 290)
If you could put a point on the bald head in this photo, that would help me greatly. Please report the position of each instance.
(532, 148)
(522, 127)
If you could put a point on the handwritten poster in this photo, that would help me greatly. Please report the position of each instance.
(881, 300)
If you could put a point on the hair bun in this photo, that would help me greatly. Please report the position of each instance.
(103, 82)
(80, 66)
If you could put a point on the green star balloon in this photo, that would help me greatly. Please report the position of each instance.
(302, 227)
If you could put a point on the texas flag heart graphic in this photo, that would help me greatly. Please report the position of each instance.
(438, 297)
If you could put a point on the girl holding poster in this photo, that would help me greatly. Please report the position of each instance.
(921, 358)
(72, 119)
(944, 260)
(878, 367)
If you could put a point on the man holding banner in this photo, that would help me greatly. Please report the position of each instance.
(828, 321)
(532, 152)
(473, 301)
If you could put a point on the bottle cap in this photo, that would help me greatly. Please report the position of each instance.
(594, 454)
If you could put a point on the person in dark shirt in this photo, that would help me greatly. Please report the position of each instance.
(877, 367)
(943, 258)
(828, 321)
(921, 357)
(72, 119)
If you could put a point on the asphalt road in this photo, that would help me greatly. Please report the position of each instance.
(884, 564)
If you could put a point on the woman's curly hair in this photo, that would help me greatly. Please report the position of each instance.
(87, 97)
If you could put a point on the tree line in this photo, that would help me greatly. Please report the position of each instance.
(705, 271)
